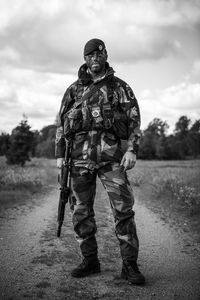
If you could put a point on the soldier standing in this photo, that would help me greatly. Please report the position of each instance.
(97, 112)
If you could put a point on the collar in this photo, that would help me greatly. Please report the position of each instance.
(85, 77)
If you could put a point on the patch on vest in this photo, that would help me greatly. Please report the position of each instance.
(130, 92)
(134, 112)
(95, 113)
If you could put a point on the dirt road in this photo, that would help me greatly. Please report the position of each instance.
(35, 264)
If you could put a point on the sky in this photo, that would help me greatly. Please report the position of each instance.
(153, 45)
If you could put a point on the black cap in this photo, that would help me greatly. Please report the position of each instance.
(93, 45)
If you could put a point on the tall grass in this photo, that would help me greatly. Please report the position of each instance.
(17, 182)
(177, 180)
(12, 177)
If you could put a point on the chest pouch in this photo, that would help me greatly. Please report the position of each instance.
(87, 118)
(73, 122)
(108, 115)
(97, 120)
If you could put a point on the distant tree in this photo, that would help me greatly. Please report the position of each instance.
(182, 136)
(153, 140)
(4, 143)
(158, 127)
(48, 132)
(160, 146)
(173, 148)
(46, 149)
(20, 144)
(195, 127)
(36, 136)
(46, 142)
(183, 143)
(194, 139)
(147, 148)
(182, 127)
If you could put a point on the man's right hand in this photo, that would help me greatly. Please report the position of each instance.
(59, 162)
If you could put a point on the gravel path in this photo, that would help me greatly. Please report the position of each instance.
(35, 264)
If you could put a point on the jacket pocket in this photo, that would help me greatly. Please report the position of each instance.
(120, 125)
(73, 122)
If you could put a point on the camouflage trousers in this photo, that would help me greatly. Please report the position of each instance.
(116, 183)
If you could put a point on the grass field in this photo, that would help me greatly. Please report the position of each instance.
(17, 184)
(179, 180)
(172, 189)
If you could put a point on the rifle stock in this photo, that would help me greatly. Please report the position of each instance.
(64, 179)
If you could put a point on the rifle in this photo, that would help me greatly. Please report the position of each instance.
(64, 179)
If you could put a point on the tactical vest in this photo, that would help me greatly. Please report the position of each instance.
(87, 114)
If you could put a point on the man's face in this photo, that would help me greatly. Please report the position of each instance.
(96, 61)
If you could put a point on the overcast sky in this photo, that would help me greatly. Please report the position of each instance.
(154, 45)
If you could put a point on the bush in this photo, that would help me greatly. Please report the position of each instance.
(20, 144)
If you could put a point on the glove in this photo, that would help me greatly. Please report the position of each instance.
(59, 162)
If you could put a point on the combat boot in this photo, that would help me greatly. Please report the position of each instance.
(131, 272)
(87, 267)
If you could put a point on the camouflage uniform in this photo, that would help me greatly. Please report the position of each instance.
(97, 125)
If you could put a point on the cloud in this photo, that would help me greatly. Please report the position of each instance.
(196, 70)
(50, 35)
(38, 95)
(41, 45)
(9, 106)
(184, 96)
(171, 103)
(7, 92)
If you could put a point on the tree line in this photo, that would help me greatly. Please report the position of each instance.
(182, 144)
(23, 143)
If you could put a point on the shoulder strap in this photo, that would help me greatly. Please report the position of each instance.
(89, 93)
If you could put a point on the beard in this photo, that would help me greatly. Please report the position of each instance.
(96, 67)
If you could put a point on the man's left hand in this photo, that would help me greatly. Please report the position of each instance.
(128, 160)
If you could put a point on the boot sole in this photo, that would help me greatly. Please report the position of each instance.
(138, 281)
(95, 271)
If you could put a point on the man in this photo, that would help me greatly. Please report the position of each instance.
(97, 112)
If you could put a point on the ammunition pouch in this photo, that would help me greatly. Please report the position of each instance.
(108, 116)
(97, 117)
(103, 117)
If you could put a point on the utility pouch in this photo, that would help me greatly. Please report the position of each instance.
(87, 118)
(96, 117)
(73, 122)
(108, 116)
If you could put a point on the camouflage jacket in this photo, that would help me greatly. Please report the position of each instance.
(98, 122)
